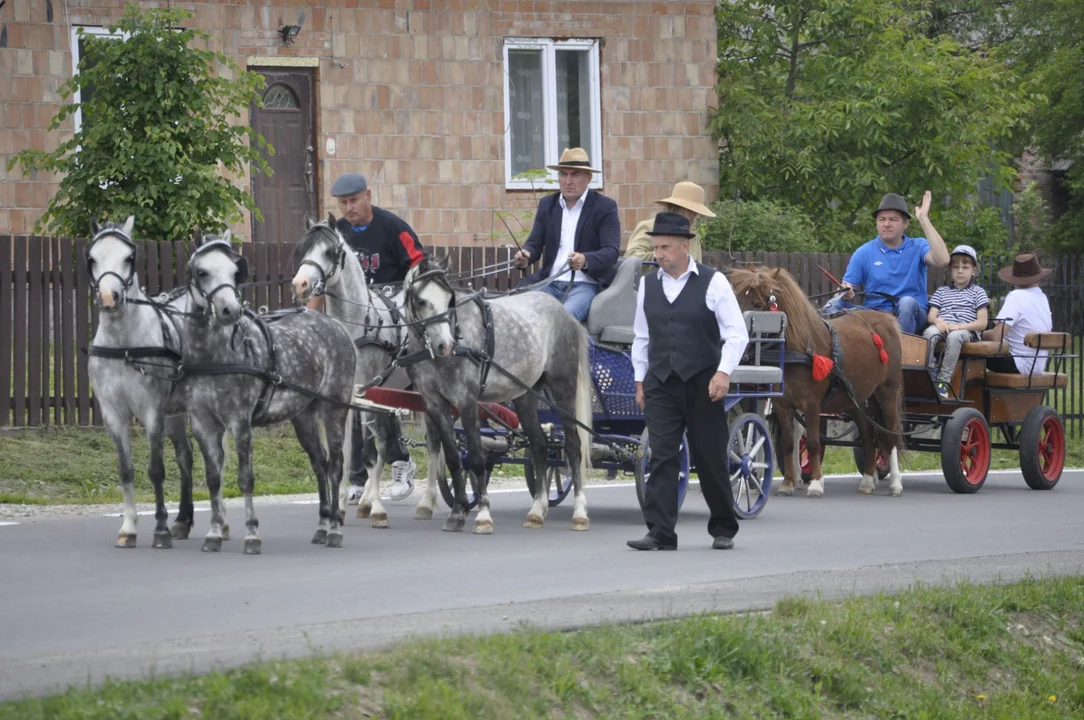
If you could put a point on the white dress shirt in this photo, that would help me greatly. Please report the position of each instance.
(570, 217)
(719, 299)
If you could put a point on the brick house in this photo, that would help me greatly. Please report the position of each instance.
(440, 103)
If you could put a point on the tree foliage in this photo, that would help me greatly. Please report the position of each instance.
(156, 139)
(753, 225)
(829, 104)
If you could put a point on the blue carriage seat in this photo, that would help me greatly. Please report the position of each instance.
(613, 310)
(762, 325)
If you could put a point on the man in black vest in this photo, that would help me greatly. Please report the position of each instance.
(690, 335)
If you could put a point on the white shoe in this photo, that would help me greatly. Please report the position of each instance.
(353, 494)
(402, 479)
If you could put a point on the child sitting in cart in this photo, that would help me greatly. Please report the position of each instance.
(958, 313)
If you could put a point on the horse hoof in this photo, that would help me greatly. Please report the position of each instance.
(320, 537)
(380, 520)
(423, 513)
(896, 492)
(180, 531)
(252, 545)
(163, 540)
(225, 532)
(814, 493)
(126, 541)
(483, 527)
(785, 492)
(334, 540)
(212, 544)
(533, 522)
(364, 511)
(865, 490)
(581, 524)
(454, 524)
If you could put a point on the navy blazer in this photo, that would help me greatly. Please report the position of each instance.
(598, 236)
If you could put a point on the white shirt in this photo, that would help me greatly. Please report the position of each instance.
(719, 299)
(1026, 310)
(570, 217)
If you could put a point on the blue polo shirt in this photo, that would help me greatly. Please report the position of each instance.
(899, 271)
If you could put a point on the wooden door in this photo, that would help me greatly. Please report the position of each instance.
(286, 121)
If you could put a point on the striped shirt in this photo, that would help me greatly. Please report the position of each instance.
(959, 305)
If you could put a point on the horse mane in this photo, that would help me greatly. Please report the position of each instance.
(311, 239)
(804, 324)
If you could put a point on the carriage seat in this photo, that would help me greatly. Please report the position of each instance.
(761, 325)
(1043, 380)
(613, 310)
(984, 348)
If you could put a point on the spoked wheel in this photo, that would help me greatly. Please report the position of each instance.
(446, 487)
(560, 477)
(805, 462)
(965, 450)
(750, 455)
(1042, 448)
(643, 468)
(882, 462)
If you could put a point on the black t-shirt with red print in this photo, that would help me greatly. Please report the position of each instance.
(387, 247)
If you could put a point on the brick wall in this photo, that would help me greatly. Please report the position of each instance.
(412, 94)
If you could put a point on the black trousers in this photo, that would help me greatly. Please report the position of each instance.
(672, 408)
(1002, 364)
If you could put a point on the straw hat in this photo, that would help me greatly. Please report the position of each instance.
(690, 196)
(1025, 270)
(574, 159)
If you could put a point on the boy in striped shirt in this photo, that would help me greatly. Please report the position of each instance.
(958, 313)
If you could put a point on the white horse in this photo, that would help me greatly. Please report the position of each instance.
(131, 327)
(326, 266)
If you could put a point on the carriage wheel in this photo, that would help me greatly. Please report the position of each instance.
(805, 463)
(1042, 448)
(446, 487)
(750, 460)
(965, 450)
(882, 462)
(643, 468)
(560, 477)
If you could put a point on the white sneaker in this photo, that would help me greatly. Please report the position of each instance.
(353, 494)
(402, 479)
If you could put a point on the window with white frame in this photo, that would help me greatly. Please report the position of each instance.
(551, 102)
(78, 45)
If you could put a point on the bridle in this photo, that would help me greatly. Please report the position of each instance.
(339, 262)
(240, 276)
(126, 282)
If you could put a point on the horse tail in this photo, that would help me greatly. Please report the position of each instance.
(584, 413)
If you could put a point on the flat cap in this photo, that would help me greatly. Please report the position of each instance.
(349, 184)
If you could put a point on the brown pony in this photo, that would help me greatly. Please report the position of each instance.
(875, 377)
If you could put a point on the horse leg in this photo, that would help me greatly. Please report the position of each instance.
(786, 423)
(156, 470)
(242, 437)
(813, 445)
(527, 410)
(888, 397)
(428, 503)
(335, 422)
(209, 435)
(869, 456)
(476, 463)
(370, 504)
(576, 394)
(306, 428)
(118, 424)
(442, 422)
(177, 432)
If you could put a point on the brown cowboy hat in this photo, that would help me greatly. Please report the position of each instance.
(690, 196)
(1025, 270)
(574, 159)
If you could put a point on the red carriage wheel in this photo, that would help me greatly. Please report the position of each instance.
(1042, 448)
(965, 450)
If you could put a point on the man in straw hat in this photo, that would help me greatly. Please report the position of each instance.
(895, 264)
(690, 335)
(1025, 310)
(577, 235)
(687, 198)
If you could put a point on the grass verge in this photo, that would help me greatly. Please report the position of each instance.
(1006, 651)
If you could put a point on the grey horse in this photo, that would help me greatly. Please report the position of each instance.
(326, 266)
(152, 332)
(535, 342)
(223, 346)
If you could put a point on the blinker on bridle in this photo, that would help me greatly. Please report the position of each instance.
(95, 282)
(241, 276)
(340, 261)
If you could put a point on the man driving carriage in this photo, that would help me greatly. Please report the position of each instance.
(894, 264)
(577, 234)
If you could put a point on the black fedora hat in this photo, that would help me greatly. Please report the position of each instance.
(668, 223)
(892, 201)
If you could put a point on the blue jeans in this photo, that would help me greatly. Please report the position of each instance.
(578, 302)
(910, 314)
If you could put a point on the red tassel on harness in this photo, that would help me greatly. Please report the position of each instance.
(822, 366)
(880, 348)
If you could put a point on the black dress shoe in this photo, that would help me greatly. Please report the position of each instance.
(722, 543)
(650, 542)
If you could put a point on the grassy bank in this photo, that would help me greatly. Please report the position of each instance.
(1010, 651)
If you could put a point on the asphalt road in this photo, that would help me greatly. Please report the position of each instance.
(72, 607)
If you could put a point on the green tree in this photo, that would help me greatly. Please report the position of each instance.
(157, 139)
(752, 225)
(828, 104)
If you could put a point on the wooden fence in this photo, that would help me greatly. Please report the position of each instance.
(47, 319)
